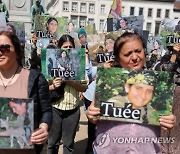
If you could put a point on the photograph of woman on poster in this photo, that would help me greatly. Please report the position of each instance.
(51, 27)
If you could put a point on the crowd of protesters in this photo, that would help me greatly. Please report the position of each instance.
(56, 120)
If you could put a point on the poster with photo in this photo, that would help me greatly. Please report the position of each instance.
(155, 51)
(123, 23)
(170, 31)
(50, 27)
(88, 31)
(16, 123)
(100, 46)
(133, 96)
(67, 64)
(48, 30)
(30, 50)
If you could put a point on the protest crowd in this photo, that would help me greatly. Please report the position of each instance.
(129, 84)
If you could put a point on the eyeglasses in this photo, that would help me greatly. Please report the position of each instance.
(5, 48)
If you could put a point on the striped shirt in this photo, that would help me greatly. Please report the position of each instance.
(70, 100)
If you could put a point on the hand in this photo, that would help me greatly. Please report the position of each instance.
(34, 38)
(57, 82)
(108, 63)
(39, 136)
(176, 48)
(39, 52)
(167, 122)
(155, 52)
(92, 112)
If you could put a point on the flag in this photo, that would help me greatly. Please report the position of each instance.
(115, 9)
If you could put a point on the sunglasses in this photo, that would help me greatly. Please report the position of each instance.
(5, 48)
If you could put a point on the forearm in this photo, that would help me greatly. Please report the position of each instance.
(46, 119)
(173, 58)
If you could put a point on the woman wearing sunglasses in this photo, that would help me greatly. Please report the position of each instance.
(18, 82)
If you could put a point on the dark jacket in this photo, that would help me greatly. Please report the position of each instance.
(38, 89)
(172, 147)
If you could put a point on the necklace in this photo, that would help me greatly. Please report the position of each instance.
(5, 86)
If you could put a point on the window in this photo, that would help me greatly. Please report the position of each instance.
(65, 6)
(82, 22)
(158, 15)
(141, 11)
(74, 6)
(148, 26)
(101, 24)
(91, 8)
(74, 20)
(157, 26)
(102, 8)
(149, 12)
(167, 13)
(90, 21)
(83, 8)
(131, 10)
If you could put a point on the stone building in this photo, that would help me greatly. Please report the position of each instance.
(83, 12)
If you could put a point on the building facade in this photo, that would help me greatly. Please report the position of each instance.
(87, 12)
(153, 12)
(83, 12)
